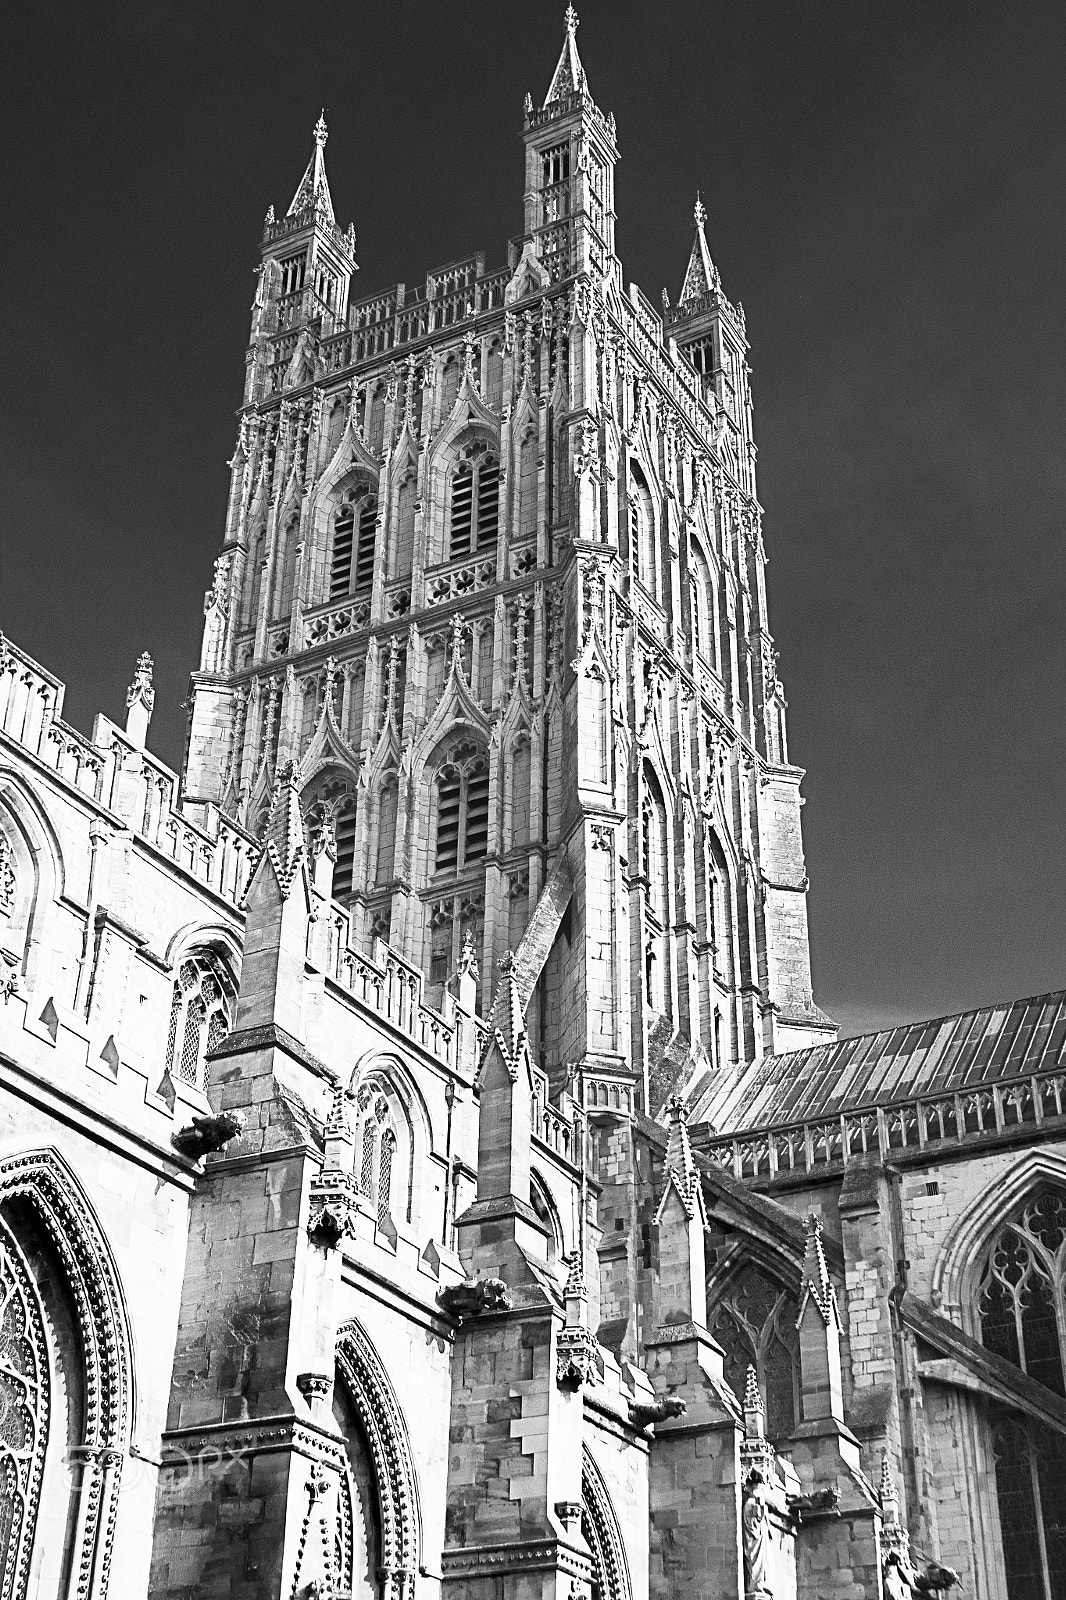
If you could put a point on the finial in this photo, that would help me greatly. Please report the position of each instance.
(141, 688)
(699, 211)
(571, 20)
(752, 1392)
(321, 131)
(270, 218)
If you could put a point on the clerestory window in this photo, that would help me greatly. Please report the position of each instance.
(475, 502)
(1022, 1309)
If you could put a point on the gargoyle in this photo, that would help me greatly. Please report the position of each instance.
(935, 1579)
(329, 1222)
(822, 1503)
(644, 1416)
(474, 1297)
(204, 1135)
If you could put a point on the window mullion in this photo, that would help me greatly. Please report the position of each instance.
(1038, 1506)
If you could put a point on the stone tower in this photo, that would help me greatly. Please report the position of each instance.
(493, 579)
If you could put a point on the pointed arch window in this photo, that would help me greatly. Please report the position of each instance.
(642, 544)
(474, 522)
(377, 1146)
(201, 1014)
(462, 808)
(1021, 1303)
(754, 1321)
(354, 537)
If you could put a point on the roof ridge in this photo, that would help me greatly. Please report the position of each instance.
(916, 1022)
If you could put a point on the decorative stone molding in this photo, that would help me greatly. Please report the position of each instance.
(42, 1179)
(381, 1419)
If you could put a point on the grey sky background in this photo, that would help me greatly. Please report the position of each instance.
(884, 186)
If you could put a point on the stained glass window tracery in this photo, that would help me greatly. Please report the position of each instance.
(754, 1320)
(1021, 1302)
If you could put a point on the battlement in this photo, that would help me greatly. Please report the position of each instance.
(123, 780)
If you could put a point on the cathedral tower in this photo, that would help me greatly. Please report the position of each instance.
(493, 579)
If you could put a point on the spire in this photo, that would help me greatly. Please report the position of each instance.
(569, 77)
(313, 193)
(701, 275)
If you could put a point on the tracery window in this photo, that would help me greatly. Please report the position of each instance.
(462, 808)
(475, 501)
(754, 1321)
(24, 1415)
(354, 533)
(1022, 1307)
(377, 1147)
(200, 1016)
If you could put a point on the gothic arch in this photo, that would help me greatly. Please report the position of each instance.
(410, 1111)
(37, 865)
(25, 1381)
(954, 1281)
(381, 1419)
(42, 1180)
(602, 1533)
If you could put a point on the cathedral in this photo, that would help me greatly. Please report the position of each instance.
(425, 1173)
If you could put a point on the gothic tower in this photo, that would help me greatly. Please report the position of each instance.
(493, 579)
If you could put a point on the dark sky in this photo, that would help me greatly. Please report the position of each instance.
(885, 192)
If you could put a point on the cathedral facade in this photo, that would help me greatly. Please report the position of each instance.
(425, 1173)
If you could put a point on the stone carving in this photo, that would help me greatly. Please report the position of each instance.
(331, 1216)
(474, 1297)
(383, 1427)
(7, 876)
(661, 1410)
(576, 1361)
(823, 1503)
(141, 689)
(755, 1522)
(204, 1135)
(43, 1181)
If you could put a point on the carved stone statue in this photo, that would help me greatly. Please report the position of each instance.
(755, 1521)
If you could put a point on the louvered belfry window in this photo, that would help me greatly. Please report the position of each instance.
(475, 502)
(354, 537)
(343, 866)
(462, 809)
